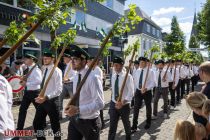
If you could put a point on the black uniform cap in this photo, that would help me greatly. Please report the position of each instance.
(118, 60)
(142, 59)
(76, 51)
(160, 61)
(31, 56)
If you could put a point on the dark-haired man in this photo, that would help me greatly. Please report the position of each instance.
(143, 93)
(120, 109)
(48, 105)
(84, 115)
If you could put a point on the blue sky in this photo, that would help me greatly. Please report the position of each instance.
(162, 11)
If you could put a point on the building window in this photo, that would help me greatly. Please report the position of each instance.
(80, 17)
(153, 30)
(7, 1)
(144, 44)
(26, 4)
(108, 3)
(158, 33)
(148, 28)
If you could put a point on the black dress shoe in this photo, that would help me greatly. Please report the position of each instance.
(147, 126)
(133, 130)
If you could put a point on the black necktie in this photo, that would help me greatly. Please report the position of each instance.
(171, 70)
(141, 79)
(26, 71)
(43, 80)
(116, 87)
(78, 82)
(159, 79)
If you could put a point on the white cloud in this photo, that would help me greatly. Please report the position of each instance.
(162, 21)
(163, 11)
(186, 27)
(184, 18)
(166, 29)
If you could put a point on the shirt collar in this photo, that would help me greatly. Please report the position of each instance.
(49, 66)
(31, 66)
(121, 73)
(83, 71)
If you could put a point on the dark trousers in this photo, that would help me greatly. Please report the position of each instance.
(164, 93)
(115, 115)
(147, 97)
(172, 94)
(193, 79)
(28, 98)
(187, 81)
(50, 108)
(178, 88)
(102, 117)
(66, 93)
(182, 88)
(87, 128)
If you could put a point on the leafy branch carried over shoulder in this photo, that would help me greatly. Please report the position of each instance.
(65, 39)
(124, 25)
(152, 52)
(131, 48)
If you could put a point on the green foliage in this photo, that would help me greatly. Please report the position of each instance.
(203, 25)
(65, 39)
(124, 24)
(164, 56)
(131, 48)
(193, 42)
(15, 31)
(153, 52)
(175, 41)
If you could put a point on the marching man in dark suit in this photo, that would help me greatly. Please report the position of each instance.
(143, 93)
(48, 105)
(32, 88)
(85, 121)
(120, 109)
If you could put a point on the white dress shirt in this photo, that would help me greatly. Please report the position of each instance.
(150, 80)
(91, 99)
(176, 76)
(128, 91)
(195, 70)
(55, 85)
(35, 79)
(6, 117)
(134, 70)
(71, 73)
(168, 78)
(182, 73)
(97, 71)
(189, 73)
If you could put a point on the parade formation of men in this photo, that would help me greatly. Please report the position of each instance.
(146, 83)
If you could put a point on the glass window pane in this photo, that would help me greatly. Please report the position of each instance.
(7, 1)
(80, 17)
(26, 4)
(109, 3)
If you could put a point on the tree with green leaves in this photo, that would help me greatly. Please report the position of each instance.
(203, 25)
(51, 14)
(175, 41)
(193, 42)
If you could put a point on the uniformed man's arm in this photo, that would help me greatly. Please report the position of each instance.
(58, 85)
(96, 95)
(151, 81)
(3, 108)
(169, 76)
(130, 87)
(37, 78)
